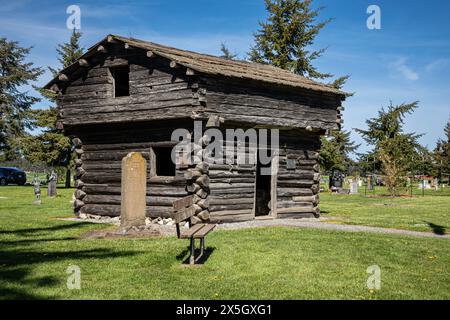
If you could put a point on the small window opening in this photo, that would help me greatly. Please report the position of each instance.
(121, 76)
(164, 165)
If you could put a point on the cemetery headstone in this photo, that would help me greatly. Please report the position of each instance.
(134, 185)
(370, 182)
(336, 180)
(51, 190)
(37, 189)
(353, 187)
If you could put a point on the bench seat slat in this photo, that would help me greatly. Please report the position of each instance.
(204, 231)
(188, 233)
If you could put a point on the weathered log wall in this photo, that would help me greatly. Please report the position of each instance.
(100, 150)
(298, 187)
(232, 187)
(250, 102)
(157, 91)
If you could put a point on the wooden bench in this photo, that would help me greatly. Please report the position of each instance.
(183, 210)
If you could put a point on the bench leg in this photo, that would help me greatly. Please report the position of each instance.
(192, 246)
(202, 246)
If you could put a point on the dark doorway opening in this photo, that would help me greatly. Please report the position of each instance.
(164, 165)
(263, 187)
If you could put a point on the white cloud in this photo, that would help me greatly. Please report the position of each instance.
(399, 65)
(437, 64)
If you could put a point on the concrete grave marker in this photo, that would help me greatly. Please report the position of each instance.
(51, 190)
(134, 185)
(353, 187)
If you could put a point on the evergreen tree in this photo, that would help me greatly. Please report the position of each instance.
(226, 53)
(285, 39)
(15, 104)
(335, 151)
(51, 146)
(441, 155)
(395, 152)
(69, 53)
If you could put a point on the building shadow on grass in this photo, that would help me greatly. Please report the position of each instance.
(437, 229)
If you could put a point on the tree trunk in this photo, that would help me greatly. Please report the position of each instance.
(67, 178)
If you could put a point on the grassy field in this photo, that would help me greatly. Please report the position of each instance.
(419, 213)
(270, 263)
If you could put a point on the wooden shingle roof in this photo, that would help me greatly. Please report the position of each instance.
(209, 64)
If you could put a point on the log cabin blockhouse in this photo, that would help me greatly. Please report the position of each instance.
(128, 95)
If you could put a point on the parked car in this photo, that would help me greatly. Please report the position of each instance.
(12, 175)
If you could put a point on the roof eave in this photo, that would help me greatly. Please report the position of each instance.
(112, 38)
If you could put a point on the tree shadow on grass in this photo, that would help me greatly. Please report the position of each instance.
(17, 268)
(59, 227)
(8, 291)
(33, 241)
(19, 259)
(437, 229)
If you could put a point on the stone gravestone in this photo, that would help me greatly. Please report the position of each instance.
(370, 182)
(353, 187)
(51, 190)
(336, 180)
(134, 189)
(37, 189)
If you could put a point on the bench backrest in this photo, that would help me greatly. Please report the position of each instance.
(183, 209)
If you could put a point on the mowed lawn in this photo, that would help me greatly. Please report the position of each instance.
(267, 263)
(429, 213)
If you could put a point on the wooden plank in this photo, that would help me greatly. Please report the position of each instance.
(188, 233)
(183, 214)
(204, 231)
(273, 187)
(309, 209)
(183, 203)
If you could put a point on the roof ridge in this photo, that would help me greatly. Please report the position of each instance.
(211, 64)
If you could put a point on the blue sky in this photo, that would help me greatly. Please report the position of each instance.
(407, 60)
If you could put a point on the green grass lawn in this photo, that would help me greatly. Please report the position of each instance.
(419, 213)
(269, 263)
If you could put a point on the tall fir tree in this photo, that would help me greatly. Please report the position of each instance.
(226, 53)
(15, 104)
(51, 146)
(395, 153)
(285, 39)
(336, 150)
(441, 155)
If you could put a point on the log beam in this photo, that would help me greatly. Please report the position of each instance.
(83, 63)
(102, 49)
(63, 77)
